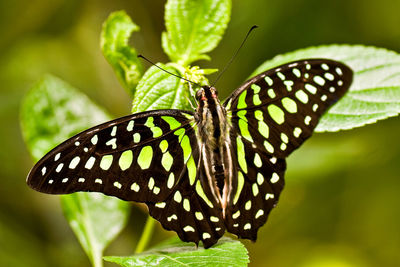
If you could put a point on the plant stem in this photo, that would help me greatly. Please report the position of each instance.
(98, 262)
(146, 235)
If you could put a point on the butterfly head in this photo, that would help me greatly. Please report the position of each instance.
(206, 93)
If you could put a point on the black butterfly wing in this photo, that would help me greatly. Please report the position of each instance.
(201, 217)
(147, 157)
(271, 115)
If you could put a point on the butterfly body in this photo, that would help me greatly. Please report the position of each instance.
(215, 144)
(219, 168)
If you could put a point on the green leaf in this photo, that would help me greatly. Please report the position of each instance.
(160, 90)
(96, 220)
(374, 94)
(51, 112)
(226, 252)
(194, 28)
(123, 58)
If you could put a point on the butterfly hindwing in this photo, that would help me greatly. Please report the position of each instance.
(191, 212)
(260, 182)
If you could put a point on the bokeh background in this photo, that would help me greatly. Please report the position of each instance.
(341, 205)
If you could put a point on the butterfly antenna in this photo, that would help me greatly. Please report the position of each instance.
(234, 55)
(140, 56)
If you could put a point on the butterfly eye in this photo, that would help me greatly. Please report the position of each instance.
(214, 92)
(199, 94)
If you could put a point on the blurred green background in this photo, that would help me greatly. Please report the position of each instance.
(341, 202)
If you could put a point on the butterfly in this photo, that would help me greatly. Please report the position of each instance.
(203, 172)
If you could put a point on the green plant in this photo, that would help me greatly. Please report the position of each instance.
(374, 95)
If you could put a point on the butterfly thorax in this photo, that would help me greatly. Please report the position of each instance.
(213, 132)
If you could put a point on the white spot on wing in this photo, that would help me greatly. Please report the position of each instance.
(206, 236)
(135, 187)
(188, 228)
(269, 196)
(172, 217)
(112, 142)
(89, 164)
(117, 185)
(94, 139)
(129, 128)
(74, 162)
(274, 178)
(59, 167)
(259, 214)
(114, 131)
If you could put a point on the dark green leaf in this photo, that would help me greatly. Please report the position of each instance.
(374, 94)
(53, 111)
(194, 28)
(123, 58)
(174, 252)
(160, 90)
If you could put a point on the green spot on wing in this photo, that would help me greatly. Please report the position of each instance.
(157, 132)
(136, 137)
(173, 123)
(149, 122)
(145, 157)
(192, 170)
(187, 149)
(262, 126)
(180, 132)
(164, 145)
(302, 96)
(106, 162)
(167, 161)
(256, 88)
(242, 100)
(244, 130)
(241, 154)
(276, 113)
(289, 105)
(239, 187)
(125, 160)
(200, 192)
(256, 99)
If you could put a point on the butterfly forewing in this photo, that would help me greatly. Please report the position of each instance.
(271, 115)
(138, 157)
(278, 110)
